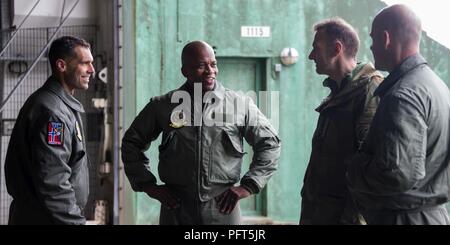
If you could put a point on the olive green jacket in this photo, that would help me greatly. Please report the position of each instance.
(197, 156)
(345, 116)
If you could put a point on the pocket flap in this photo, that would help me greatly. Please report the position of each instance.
(237, 146)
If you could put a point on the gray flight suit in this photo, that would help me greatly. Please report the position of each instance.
(46, 166)
(200, 161)
(402, 175)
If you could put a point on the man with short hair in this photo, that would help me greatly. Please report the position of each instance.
(345, 116)
(401, 176)
(46, 166)
(201, 150)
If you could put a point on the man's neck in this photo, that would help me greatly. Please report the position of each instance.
(191, 87)
(401, 56)
(342, 70)
(64, 84)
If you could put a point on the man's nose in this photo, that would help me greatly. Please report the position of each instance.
(208, 69)
(310, 56)
(91, 68)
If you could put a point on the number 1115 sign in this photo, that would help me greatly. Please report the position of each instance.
(255, 31)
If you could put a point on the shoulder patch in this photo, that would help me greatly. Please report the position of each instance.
(55, 133)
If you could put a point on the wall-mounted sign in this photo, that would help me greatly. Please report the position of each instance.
(255, 31)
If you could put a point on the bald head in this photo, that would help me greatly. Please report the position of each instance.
(193, 49)
(395, 34)
(199, 64)
(402, 23)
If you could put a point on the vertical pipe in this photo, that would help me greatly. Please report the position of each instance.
(3, 196)
(116, 129)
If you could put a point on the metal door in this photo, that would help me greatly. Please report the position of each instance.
(246, 75)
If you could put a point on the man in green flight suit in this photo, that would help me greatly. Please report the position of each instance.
(201, 151)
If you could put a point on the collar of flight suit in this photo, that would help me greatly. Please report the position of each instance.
(52, 84)
(404, 67)
(350, 86)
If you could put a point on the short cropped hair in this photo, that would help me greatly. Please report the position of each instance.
(338, 29)
(64, 47)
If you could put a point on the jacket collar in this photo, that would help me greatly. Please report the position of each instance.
(53, 85)
(219, 90)
(351, 85)
(407, 65)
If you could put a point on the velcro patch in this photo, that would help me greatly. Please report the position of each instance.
(55, 133)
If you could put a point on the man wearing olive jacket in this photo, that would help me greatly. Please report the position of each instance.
(200, 161)
(345, 116)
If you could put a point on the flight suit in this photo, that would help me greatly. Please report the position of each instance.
(46, 166)
(199, 161)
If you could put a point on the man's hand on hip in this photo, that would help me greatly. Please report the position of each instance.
(163, 194)
(227, 200)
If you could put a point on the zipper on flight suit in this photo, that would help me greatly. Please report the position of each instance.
(198, 155)
(199, 162)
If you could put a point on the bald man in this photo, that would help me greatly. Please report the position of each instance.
(201, 150)
(402, 175)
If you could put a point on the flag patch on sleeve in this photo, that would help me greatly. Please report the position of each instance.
(55, 133)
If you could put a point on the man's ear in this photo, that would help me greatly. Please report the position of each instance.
(184, 72)
(387, 39)
(338, 48)
(61, 65)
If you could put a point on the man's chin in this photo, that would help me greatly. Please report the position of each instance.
(208, 86)
(84, 86)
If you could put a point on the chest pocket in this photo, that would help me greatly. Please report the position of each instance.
(225, 157)
(177, 156)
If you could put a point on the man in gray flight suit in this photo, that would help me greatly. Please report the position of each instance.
(199, 157)
(46, 166)
(402, 175)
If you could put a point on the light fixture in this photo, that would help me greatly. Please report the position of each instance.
(289, 56)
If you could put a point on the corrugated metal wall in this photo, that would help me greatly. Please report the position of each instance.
(162, 28)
